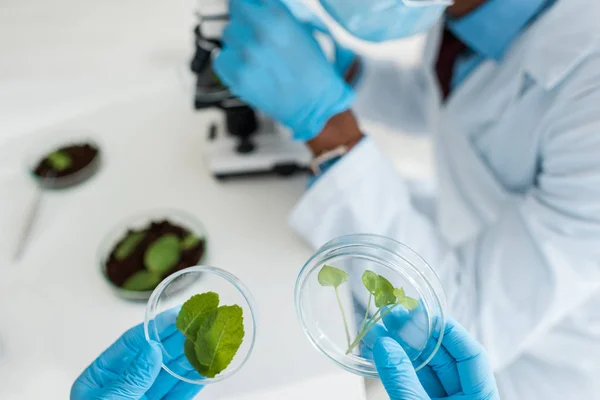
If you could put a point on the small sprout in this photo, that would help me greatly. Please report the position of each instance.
(163, 254)
(330, 276)
(189, 242)
(142, 281)
(334, 277)
(128, 245)
(213, 334)
(384, 294)
(407, 302)
(381, 290)
(370, 279)
(59, 160)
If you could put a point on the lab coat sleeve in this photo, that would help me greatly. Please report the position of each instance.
(517, 277)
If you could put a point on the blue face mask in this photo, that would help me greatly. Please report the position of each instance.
(381, 20)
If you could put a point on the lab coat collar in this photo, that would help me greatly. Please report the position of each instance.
(561, 39)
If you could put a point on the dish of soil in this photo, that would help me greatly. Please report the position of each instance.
(68, 165)
(143, 258)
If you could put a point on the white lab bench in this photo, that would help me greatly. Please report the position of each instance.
(57, 313)
(113, 69)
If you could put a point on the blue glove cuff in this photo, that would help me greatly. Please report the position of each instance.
(315, 119)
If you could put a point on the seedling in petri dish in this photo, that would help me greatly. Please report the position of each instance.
(213, 334)
(381, 292)
(334, 277)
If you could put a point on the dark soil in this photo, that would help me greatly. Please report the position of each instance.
(81, 155)
(118, 271)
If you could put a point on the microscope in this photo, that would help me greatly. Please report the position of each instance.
(249, 144)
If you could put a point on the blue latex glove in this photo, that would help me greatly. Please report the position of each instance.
(130, 369)
(273, 62)
(459, 371)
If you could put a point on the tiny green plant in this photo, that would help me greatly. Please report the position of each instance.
(189, 241)
(163, 254)
(59, 160)
(128, 245)
(213, 334)
(381, 292)
(334, 277)
(160, 258)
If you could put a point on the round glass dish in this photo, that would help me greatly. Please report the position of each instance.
(163, 308)
(141, 221)
(418, 328)
(53, 141)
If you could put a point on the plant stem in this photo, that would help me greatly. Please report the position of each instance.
(337, 295)
(364, 321)
(367, 328)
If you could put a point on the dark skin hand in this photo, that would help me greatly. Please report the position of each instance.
(343, 128)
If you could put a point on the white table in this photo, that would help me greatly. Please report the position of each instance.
(113, 68)
(56, 311)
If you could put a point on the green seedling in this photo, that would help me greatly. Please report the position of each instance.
(163, 254)
(381, 292)
(189, 242)
(334, 277)
(128, 245)
(160, 258)
(142, 281)
(59, 160)
(213, 334)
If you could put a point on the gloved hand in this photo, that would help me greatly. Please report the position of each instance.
(130, 369)
(273, 62)
(459, 370)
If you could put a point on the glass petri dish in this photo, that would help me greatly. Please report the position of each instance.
(164, 305)
(55, 140)
(419, 328)
(140, 221)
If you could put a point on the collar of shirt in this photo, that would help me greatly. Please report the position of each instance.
(490, 29)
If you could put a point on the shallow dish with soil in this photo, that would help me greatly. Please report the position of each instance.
(67, 165)
(142, 252)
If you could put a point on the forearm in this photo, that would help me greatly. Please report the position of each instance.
(341, 130)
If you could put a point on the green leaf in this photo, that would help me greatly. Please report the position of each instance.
(189, 242)
(194, 311)
(59, 160)
(163, 254)
(407, 302)
(384, 294)
(142, 281)
(369, 279)
(219, 337)
(330, 276)
(128, 245)
(190, 353)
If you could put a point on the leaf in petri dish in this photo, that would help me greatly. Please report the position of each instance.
(194, 311)
(218, 339)
(331, 276)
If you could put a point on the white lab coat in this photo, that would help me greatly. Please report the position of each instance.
(516, 236)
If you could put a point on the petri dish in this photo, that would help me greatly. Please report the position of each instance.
(164, 306)
(141, 221)
(417, 324)
(54, 141)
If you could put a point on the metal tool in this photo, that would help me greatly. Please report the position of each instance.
(32, 215)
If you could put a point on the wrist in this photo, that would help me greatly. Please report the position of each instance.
(341, 130)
